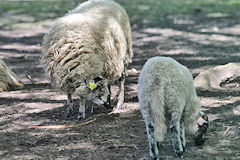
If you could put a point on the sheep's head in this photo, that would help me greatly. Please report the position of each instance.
(202, 129)
(95, 90)
(98, 90)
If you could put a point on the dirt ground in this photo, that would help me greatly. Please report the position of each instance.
(121, 135)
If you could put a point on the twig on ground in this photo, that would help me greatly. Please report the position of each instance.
(61, 126)
(123, 146)
(228, 128)
(136, 147)
(131, 135)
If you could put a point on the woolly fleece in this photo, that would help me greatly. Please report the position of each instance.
(8, 80)
(92, 40)
(166, 87)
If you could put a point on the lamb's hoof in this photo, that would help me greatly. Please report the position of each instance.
(184, 149)
(179, 154)
(199, 141)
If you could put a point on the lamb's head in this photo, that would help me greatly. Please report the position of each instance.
(202, 129)
(95, 90)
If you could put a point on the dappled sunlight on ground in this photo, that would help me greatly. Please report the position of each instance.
(198, 40)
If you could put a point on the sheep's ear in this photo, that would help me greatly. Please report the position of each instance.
(89, 81)
(98, 79)
(91, 84)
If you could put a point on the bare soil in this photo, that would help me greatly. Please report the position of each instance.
(122, 134)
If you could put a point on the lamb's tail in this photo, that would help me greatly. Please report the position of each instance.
(158, 113)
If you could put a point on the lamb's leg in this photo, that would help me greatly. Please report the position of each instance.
(182, 135)
(121, 91)
(153, 145)
(70, 105)
(175, 134)
(81, 113)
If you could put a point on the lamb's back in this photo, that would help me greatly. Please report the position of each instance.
(163, 73)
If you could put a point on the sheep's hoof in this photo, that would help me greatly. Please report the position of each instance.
(67, 114)
(108, 104)
(119, 105)
(81, 116)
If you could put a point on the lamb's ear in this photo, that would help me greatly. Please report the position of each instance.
(204, 116)
(202, 113)
(203, 119)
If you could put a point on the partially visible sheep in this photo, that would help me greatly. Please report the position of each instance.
(88, 49)
(8, 80)
(167, 96)
(212, 78)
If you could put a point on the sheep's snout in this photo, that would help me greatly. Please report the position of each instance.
(102, 100)
(98, 101)
(202, 129)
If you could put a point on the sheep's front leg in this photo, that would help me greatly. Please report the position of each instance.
(175, 134)
(121, 91)
(153, 145)
(70, 105)
(108, 104)
(81, 113)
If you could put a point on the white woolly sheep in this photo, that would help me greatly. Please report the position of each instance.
(8, 80)
(167, 97)
(88, 49)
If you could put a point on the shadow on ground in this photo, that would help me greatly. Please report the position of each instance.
(194, 37)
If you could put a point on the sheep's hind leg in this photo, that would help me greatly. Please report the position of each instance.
(182, 136)
(153, 144)
(121, 91)
(175, 134)
(70, 105)
(81, 113)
